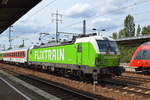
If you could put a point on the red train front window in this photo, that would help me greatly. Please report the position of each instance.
(146, 54)
(139, 55)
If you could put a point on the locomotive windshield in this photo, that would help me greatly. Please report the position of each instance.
(107, 46)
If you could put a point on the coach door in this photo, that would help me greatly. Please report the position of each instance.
(79, 54)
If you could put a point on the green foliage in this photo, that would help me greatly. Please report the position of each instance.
(146, 30)
(129, 26)
(122, 33)
(115, 35)
(128, 30)
(126, 53)
(9, 48)
(138, 33)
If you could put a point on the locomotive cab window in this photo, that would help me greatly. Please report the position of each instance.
(79, 48)
(107, 46)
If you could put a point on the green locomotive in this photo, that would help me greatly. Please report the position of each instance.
(86, 55)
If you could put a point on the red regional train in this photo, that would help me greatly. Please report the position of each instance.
(141, 58)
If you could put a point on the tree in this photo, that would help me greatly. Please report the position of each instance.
(9, 48)
(129, 26)
(138, 33)
(122, 33)
(114, 35)
(146, 30)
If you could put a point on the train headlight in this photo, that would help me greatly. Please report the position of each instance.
(97, 61)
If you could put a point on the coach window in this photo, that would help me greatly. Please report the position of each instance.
(79, 48)
(18, 54)
(23, 54)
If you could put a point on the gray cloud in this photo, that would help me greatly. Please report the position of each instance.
(81, 11)
(112, 7)
(105, 23)
(28, 29)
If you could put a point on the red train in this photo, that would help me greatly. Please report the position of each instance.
(141, 58)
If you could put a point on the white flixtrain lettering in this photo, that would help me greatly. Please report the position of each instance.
(53, 54)
(61, 53)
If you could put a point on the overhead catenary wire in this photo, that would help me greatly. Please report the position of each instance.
(113, 11)
(128, 6)
(72, 24)
(39, 10)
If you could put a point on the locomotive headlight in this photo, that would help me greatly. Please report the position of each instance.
(97, 61)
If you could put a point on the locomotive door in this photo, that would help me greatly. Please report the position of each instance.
(79, 53)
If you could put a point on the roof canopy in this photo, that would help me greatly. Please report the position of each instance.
(133, 41)
(12, 10)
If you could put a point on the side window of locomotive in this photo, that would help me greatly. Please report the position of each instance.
(139, 55)
(79, 48)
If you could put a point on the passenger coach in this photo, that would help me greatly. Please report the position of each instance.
(15, 56)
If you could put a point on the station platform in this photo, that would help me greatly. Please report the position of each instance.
(9, 92)
(12, 88)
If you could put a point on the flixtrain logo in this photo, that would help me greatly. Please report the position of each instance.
(52, 54)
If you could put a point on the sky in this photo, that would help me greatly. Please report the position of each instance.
(99, 14)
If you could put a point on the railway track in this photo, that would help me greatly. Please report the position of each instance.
(126, 87)
(132, 78)
(121, 87)
(58, 90)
